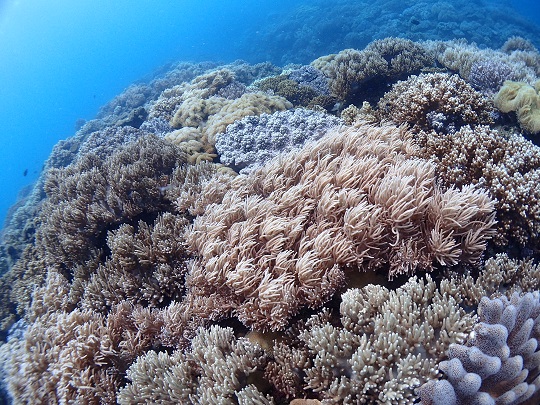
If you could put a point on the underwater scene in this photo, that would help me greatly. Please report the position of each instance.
(288, 202)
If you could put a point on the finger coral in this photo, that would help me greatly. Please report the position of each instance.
(218, 369)
(286, 235)
(500, 361)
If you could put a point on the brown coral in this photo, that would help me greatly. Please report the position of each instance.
(385, 58)
(507, 166)
(285, 235)
(435, 101)
(384, 344)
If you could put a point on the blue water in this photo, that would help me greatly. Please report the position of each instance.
(60, 60)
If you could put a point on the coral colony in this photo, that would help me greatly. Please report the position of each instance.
(360, 230)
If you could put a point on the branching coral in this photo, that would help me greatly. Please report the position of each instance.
(218, 369)
(500, 362)
(284, 236)
(507, 166)
(385, 344)
(415, 100)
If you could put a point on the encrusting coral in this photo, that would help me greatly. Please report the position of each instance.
(286, 235)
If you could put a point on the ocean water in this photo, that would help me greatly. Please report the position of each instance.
(61, 60)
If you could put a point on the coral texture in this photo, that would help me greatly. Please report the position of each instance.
(500, 362)
(387, 58)
(286, 235)
(254, 140)
(506, 165)
(218, 369)
(417, 99)
(385, 344)
(524, 100)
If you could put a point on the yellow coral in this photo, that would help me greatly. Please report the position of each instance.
(524, 100)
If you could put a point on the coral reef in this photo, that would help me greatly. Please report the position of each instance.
(499, 362)
(419, 99)
(286, 235)
(506, 165)
(382, 59)
(218, 369)
(142, 268)
(306, 31)
(254, 140)
(524, 100)
(385, 344)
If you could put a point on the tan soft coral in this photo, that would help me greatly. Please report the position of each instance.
(285, 236)
(389, 58)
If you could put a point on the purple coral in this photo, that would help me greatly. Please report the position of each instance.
(488, 76)
(311, 77)
(254, 140)
(500, 362)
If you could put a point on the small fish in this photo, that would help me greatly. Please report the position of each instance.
(25, 172)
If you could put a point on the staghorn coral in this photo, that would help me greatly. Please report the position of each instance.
(506, 165)
(524, 100)
(254, 140)
(499, 363)
(218, 368)
(413, 100)
(285, 236)
(390, 58)
(384, 344)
